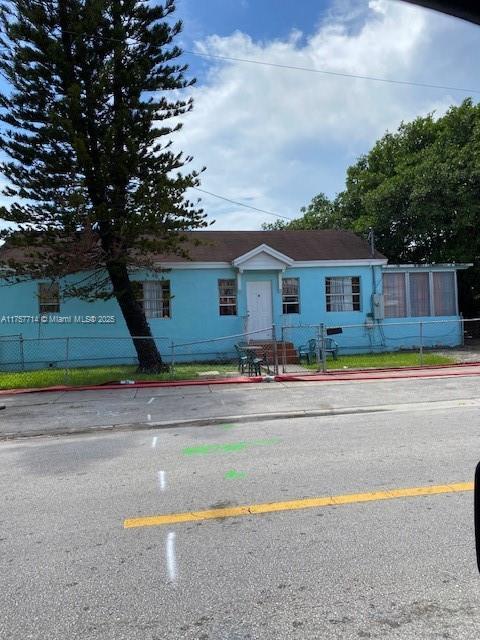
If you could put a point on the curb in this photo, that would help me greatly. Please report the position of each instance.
(145, 384)
(333, 375)
(194, 422)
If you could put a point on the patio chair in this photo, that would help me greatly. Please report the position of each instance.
(254, 363)
(309, 350)
(242, 358)
(330, 347)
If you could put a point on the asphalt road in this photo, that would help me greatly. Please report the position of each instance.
(396, 568)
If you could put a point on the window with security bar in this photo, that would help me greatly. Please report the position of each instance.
(290, 295)
(48, 297)
(227, 296)
(155, 299)
(342, 293)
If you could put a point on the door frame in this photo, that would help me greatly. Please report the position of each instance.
(249, 326)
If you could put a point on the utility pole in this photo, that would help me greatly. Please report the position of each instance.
(371, 241)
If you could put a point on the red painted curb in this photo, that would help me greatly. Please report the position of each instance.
(436, 371)
(136, 385)
(462, 369)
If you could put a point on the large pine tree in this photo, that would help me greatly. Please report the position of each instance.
(95, 90)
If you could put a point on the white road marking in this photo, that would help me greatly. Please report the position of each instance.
(171, 559)
(149, 417)
(162, 483)
(151, 400)
(154, 442)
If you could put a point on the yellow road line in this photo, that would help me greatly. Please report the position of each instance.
(292, 505)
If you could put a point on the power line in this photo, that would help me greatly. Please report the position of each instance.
(333, 73)
(339, 74)
(242, 204)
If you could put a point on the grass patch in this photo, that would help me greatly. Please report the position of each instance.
(383, 360)
(100, 375)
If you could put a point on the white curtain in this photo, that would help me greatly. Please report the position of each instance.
(394, 295)
(152, 299)
(444, 293)
(341, 294)
(419, 294)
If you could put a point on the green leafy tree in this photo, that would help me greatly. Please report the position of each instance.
(95, 92)
(419, 189)
(321, 213)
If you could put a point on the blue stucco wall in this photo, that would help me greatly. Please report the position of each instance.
(195, 317)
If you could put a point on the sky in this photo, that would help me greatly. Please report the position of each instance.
(273, 138)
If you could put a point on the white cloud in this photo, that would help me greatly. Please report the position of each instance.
(276, 137)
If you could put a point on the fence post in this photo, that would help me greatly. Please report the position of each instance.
(22, 352)
(324, 353)
(67, 358)
(172, 364)
(284, 350)
(421, 343)
(275, 351)
(318, 345)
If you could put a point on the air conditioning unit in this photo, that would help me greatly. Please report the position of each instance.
(377, 306)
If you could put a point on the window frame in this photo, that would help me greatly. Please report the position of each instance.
(297, 296)
(328, 296)
(164, 302)
(410, 304)
(431, 298)
(432, 293)
(406, 289)
(227, 305)
(53, 307)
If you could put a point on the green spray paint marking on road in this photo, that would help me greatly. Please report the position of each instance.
(205, 449)
(227, 426)
(232, 474)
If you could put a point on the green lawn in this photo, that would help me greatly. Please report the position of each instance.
(100, 375)
(383, 360)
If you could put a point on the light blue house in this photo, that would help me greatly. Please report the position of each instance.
(279, 285)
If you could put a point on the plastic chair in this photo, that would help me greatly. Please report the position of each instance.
(242, 358)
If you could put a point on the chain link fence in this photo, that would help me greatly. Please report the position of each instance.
(379, 344)
(35, 362)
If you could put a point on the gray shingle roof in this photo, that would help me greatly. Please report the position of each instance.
(225, 246)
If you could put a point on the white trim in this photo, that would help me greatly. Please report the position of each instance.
(408, 306)
(291, 263)
(194, 265)
(340, 263)
(456, 294)
(450, 266)
(432, 299)
(304, 263)
(262, 248)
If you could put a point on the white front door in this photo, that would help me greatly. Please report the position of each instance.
(259, 309)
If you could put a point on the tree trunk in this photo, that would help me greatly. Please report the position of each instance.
(149, 358)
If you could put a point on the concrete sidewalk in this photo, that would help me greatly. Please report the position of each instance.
(82, 411)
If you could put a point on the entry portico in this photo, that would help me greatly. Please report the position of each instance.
(253, 267)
